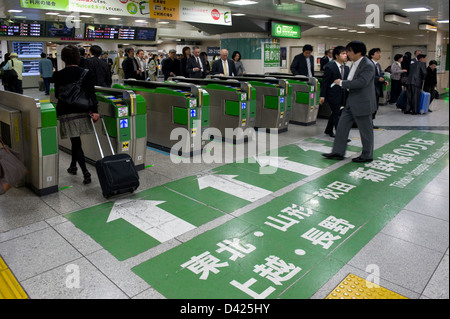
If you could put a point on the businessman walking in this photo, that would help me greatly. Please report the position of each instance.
(359, 107)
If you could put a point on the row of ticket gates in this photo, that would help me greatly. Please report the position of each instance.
(138, 114)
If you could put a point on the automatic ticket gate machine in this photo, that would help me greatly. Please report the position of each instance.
(272, 101)
(305, 97)
(232, 106)
(124, 113)
(173, 110)
(324, 109)
(30, 127)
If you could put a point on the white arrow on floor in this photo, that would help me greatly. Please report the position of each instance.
(309, 146)
(227, 184)
(283, 163)
(148, 217)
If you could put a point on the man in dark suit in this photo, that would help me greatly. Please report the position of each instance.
(417, 73)
(359, 106)
(109, 61)
(379, 80)
(224, 66)
(130, 66)
(171, 66)
(325, 59)
(335, 95)
(303, 63)
(97, 66)
(196, 65)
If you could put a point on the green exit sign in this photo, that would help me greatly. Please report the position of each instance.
(281, 30)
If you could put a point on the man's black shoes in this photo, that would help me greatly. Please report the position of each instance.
(359, 159)
(333, 156)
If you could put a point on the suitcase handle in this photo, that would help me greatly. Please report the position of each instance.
(107, 135)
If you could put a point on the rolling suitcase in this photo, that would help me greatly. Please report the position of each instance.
(116, 173)
(424, 102)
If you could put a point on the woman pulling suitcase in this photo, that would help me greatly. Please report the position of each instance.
(77, 103)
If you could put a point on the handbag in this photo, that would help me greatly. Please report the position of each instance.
(11, 167)
(74, 95)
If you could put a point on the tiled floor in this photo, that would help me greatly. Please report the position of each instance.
(52, 258)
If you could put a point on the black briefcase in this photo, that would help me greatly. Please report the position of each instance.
(116, 173)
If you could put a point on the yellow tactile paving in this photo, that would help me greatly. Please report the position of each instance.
(354, 287)
(9, 286)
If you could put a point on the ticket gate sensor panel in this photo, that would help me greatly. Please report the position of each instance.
(177, 115)
(272, 107)
(232, 106)
(304, 98)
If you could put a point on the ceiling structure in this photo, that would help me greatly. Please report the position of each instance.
(257, 15)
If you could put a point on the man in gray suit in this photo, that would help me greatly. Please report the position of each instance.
(360, 105)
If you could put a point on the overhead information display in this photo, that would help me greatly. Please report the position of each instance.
(21, 29)
(147, 34)
(58, 29)
(110, 32)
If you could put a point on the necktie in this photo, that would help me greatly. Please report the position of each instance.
(225, 68)
(342, 72)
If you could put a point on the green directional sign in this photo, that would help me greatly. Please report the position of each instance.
(289, 247)
(283, 30)
(128, 227)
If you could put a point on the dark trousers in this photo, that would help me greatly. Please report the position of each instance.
(77, 154)
(47, 85)
(334, 118)
(412, 98)
(365, 126)
(396, 89)
(15, 86)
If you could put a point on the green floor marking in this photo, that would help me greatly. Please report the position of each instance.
(289, 247)
(252, 173)
(123, 239)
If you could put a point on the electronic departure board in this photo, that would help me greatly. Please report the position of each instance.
(147, 34)
(21, 29)
(58, 29)
(110, 32)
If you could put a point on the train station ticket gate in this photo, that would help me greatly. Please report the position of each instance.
(125, 117)
(174, 110)
(273, 109)
(305, 96)
(324, 109)
(30, 127)
(232, 106)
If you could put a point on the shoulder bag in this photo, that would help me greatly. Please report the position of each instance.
(74, 95)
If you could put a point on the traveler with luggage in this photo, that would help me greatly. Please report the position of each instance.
(417, 73)
(77, 103)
